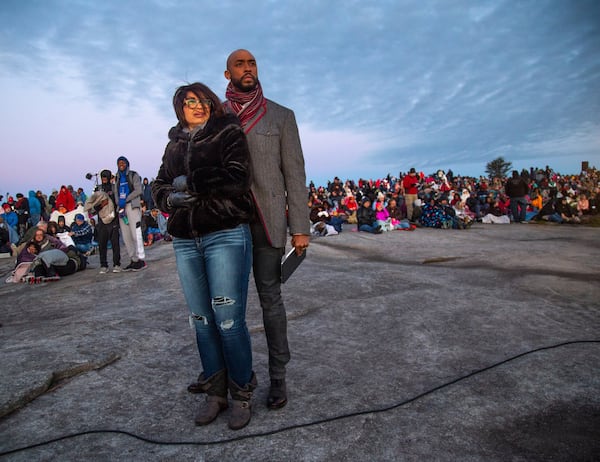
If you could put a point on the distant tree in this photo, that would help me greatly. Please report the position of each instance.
(498, 168)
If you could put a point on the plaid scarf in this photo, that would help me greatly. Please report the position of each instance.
(250, 107)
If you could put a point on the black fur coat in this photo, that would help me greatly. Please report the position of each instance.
(216, 162)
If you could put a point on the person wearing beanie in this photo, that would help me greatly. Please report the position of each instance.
(82, 234)
(128, 193)
(366, 219)
(62, 225)
(103, 202)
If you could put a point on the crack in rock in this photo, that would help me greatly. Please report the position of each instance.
(53, 381)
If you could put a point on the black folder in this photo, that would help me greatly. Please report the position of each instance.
(289, 263)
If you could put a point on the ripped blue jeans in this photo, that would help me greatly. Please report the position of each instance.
(214, 271)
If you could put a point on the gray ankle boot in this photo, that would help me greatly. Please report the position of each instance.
(215, 388)
(242, 405)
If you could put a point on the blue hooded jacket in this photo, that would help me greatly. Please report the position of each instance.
(35, 208)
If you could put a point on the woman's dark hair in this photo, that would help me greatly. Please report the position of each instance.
(52, 228)
(35, 244)
(201, 91)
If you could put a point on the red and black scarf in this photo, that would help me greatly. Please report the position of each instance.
(250, 107)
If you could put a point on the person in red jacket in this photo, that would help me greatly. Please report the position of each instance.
(410, 185)
(65, 202)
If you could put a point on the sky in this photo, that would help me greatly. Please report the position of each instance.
(377, 87)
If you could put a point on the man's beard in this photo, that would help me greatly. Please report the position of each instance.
(237, 83)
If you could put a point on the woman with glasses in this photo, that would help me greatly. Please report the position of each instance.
(204, 186)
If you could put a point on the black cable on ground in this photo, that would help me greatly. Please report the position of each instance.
(303, 425)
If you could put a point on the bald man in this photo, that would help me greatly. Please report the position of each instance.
(279, 188)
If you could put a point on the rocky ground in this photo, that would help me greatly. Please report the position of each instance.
(480, 344)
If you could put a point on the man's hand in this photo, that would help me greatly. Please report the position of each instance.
(180, 199)
(300, 242)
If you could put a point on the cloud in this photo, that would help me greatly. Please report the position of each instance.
(352, 154)
(578, 142)
(54, 142)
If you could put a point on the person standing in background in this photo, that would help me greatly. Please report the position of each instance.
(410, 185)
(517, 189)
(128, 191)
(103, 202)
(147, 194)
(35, 208)
(80, 197)
(107, 226)
(22, 209)
(45, 212)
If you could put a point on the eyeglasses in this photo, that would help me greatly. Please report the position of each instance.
(194, 103)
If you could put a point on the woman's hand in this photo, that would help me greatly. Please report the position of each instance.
(180, 183)
(180, 199)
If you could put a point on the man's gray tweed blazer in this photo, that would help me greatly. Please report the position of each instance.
(279, 179)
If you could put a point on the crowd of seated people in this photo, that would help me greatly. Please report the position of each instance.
(445, 200)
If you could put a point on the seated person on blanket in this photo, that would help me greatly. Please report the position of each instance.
(383, 216)
(62, 226)
(82, 234)
(25, 259)
(29, 235)
(437, 213)
(365, 217)
(398, 216)
(29, 253)
(55, 259)
(52, 229)
(350, 206)
(65, 202)
(320, 212)
(495, 213)
(162, 225)
(152, 231)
